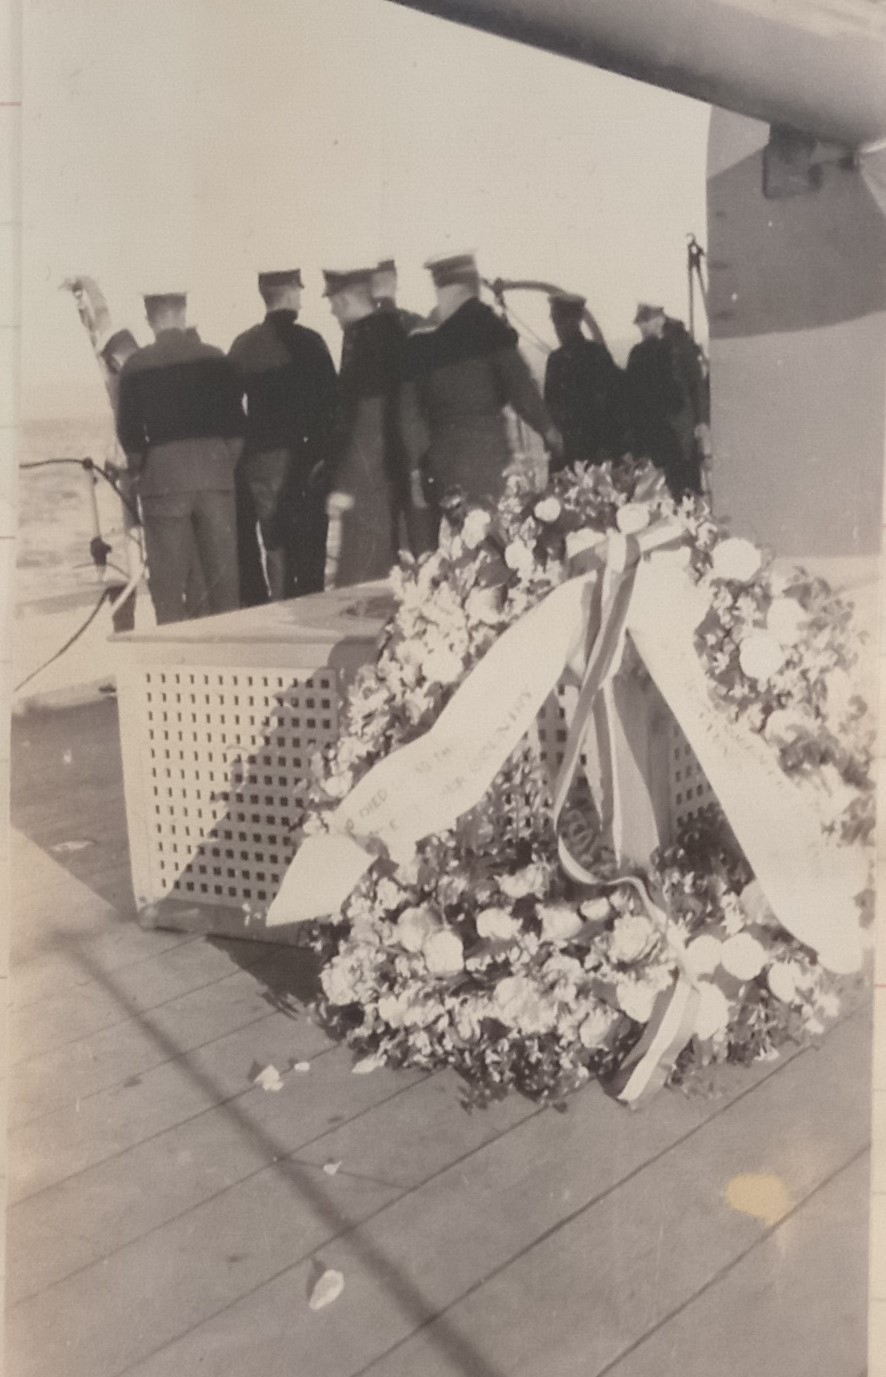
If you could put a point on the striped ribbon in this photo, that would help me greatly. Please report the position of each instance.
(650, 1062)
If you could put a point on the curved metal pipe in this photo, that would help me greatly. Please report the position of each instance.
(818, 65)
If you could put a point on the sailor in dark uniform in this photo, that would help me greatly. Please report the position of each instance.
(583, 389)
(384, 294)
(461, 373)
(180, 421)
(667, 401)
(289, 381)
(368, 473)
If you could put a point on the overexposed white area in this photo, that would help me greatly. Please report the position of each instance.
(189, 143)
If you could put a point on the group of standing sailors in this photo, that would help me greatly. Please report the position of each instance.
(240, 461)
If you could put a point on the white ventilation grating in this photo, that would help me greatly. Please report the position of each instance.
(228, 754)
(690, 791)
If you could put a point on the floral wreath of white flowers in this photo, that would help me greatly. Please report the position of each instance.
(479, 953)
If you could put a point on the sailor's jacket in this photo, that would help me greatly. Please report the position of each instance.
(180, 415)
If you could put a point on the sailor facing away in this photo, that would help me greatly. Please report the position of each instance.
(368, 475)
(180, 421)
(461, 373)
(384, 294)
(583, 389)
(667, 400)
(289, 380)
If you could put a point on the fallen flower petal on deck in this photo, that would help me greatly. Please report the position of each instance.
(363, 1068)
(268, 1079)
(326, 1289)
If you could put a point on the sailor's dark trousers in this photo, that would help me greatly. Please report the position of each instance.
(181, 526)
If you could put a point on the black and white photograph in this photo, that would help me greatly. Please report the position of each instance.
(442, 506)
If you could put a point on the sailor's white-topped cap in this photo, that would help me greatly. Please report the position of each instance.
(452, 267)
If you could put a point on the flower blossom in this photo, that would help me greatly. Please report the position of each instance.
(444, 953)
(785, 724)
(468, 1018)
(703, 955)
(632, 517)
(782, 979)
(518, 1004)
(559, 922)
(712, 1014)
(442, 666)
(484, 605)
(596, 1027)
(596, 910)
(632, 936)
(475, 528)
(519, 557)
(735, 559)
(415, 926)
(496, 924)
(743, 956)
(548, 509)
(760, 656)
(786, 621)
(532, 879)
(636, 998)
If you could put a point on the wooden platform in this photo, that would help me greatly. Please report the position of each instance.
(166, 1217)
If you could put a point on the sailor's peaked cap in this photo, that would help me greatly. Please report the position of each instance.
(291, 277)
(452, 267)
(340, 280)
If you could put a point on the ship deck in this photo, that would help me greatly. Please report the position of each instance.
(166, 1216)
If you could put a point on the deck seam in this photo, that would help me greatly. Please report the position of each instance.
(588, 1205)
(135, 1014)
(412, 1190)
(190, 1118)
(724, 1271)
(145, 1070)
(186, 941)
(182, 1214)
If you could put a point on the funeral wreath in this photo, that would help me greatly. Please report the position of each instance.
(509, 936)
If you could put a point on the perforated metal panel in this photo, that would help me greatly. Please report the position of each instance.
(225, 761)
(689, 787)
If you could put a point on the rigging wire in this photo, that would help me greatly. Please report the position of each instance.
(528, 330)
(98, 548)
(68, 643)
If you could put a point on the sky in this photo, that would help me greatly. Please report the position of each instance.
(190, 143)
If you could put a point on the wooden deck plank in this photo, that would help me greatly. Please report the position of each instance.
(590, 1226)
(51, 972)
(123, 1196)
(65, 1075)
(56, 799)
(78, 1136)
(189, 1268)
(577, 1300)
(110, 998)
(771, 1317)
(397, 1143)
